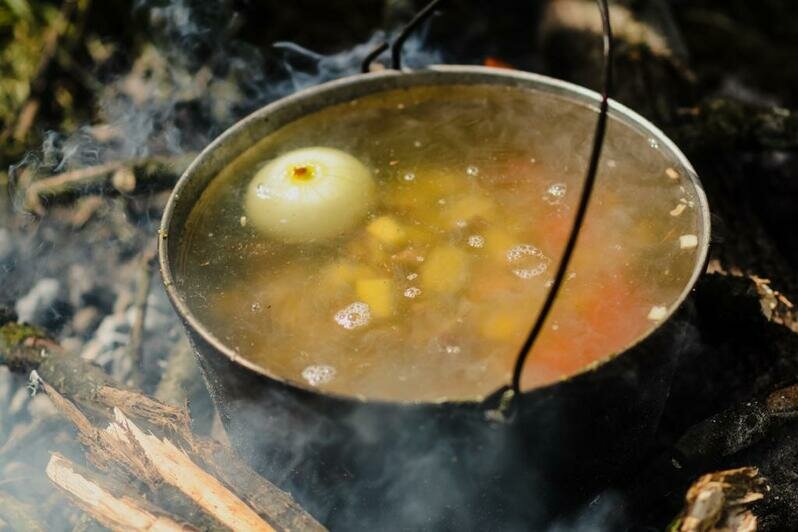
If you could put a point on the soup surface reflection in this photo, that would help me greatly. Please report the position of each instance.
(433, 291)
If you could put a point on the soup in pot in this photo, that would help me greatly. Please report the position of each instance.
(399, 246)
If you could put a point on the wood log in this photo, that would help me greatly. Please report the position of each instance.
(124, 512)
(25, 348)
(177, 469)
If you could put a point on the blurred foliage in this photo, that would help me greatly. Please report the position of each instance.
(24, 27)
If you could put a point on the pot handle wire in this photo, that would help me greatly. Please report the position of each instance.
(581, 211)
(396, 45)
(510, 393)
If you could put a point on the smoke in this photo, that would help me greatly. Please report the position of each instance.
(603, 513)
(196, 80)
(306, 68)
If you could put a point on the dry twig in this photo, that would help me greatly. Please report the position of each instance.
(116, 512)
(64, 183)
(140, 308)
(127, 175)
(61, 374)
(721, 502)
(177, 469)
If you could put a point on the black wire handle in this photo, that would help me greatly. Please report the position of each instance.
(584, 200)
(365, 66)
(507, 398)
(396, 45)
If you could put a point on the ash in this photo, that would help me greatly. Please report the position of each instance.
(151, 91)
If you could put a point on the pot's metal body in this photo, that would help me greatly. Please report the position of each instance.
(381, 465)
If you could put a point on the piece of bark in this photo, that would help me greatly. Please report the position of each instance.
(116, 512)
(722, 501)
(136, 404)
(105, 448)
(267, 499)
(113, 451)
(19, 515)
(176, 468)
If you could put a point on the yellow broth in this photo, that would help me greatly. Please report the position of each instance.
(431, 296)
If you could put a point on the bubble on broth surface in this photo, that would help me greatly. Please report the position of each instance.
(318, 374)
(353, 316)
(555, 193)
(412, 292)
(476, 241)
(472, 170)
(527, 261)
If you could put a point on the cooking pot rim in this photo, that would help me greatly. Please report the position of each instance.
(545, 83)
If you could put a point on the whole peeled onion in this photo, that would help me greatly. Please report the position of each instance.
(309, 194)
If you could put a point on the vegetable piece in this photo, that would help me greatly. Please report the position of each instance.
(503, 326)
(497, 243)
(343, 274)
(378, 295)
(469, 207)
(387, 230)
(445, 270)
(309, 194)
(421, 198)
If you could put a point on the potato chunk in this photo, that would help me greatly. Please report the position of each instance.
(503, 326)
(497, 243)
(470, 207)
(445, 270)
(344, 274)
(378, 294)
(387, 230)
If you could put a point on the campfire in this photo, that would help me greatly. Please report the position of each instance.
(419, 296)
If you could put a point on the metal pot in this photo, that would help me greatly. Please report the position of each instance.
(382, 465)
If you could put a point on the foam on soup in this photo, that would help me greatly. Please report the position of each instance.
(430, 288)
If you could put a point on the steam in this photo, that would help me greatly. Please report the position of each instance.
(306, 68)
